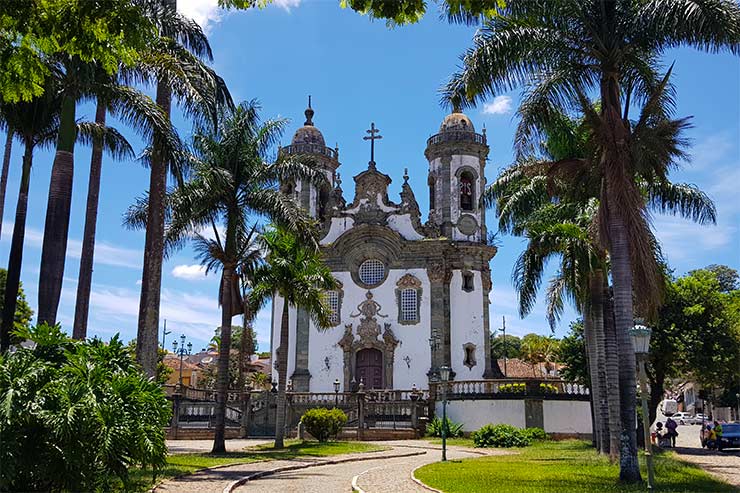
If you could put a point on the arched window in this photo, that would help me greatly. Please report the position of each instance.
(467, 191)
(409, 305)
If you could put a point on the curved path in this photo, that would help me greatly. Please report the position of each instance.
(379, 475)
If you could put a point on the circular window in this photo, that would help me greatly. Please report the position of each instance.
(372, 272)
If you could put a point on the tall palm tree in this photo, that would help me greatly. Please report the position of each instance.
(296, 275)
(232, 185)
(564, 49)
(35, 124)
(10, 134)
(140, 113)
(199, 91)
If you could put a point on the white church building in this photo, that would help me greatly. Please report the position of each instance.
(413, 294)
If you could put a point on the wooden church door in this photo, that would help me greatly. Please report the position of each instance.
(370, 368)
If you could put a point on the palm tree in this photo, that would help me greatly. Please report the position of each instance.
(564, 49)
(232, 185)
(295, 276)
(177, 68)
(10, 134)
(140, 113)
(656, 144)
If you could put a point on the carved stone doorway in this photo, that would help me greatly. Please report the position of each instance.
(369, 363)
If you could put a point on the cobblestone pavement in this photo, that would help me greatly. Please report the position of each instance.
(215, 480)
(373, 476)
(725, 465)
(193, 446)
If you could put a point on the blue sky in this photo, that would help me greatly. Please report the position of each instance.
(360, 71)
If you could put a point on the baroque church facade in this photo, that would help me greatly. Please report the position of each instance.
(413, 295)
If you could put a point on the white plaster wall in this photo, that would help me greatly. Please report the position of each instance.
(474, 414)
(403, 225)
(339, 225)
(466, 325)
(567, 416)
(413, 338)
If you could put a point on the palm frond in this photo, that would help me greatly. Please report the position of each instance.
(682, 199)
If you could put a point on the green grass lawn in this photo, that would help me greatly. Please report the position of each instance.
(177, 465)
(567, 466)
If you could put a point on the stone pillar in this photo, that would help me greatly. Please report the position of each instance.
(439, 278)
(487, 285)
(301, 376)
(360, 414)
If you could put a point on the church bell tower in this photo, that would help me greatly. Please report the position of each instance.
(457, 160)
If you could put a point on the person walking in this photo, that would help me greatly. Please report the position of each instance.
(671, 426)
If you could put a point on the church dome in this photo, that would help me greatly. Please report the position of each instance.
(308, 134)
(456, 122)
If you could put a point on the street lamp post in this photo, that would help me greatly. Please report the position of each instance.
(737, 416)
(336, 392)
(641, 342)
(444, 375)
(184, 349)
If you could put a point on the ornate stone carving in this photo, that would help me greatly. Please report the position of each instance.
(369, 336)
(439, 272)
(408, 281)
(467, 225)
(486, 278)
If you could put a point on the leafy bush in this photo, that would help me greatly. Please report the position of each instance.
(324, 423)
(535, 433)
(512, 388)
(501, 435)
(547, 388)
(434, 428)
(76, 415)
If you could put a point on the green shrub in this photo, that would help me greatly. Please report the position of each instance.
(76, 415)
(535, 433)
(501, 435)
(434, 428)
(512, 388)
(324, 423)
(547, 388)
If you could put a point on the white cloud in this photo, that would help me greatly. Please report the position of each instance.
(204, 12)
(105, 253)
(501, 105)
(709, 151)
(193, 272)
(287, 4)
(682, 239)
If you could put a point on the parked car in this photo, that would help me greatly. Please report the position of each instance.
(683, 418)
(699, 419)
(730, 436)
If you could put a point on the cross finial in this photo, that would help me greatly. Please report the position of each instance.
(405, 175)
(372, 138)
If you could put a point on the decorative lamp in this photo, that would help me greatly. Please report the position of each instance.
(336, 385)
(444, 373)
(640, 335)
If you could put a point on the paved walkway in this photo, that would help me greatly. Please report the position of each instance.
(382, 475)
(725, 465)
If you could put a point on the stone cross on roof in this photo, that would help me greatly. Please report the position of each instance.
(372, 138)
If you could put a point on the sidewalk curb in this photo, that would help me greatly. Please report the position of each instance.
(261, 474)
(418, 481)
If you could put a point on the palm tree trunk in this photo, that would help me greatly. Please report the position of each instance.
(56, 228)
(597, 315)
(612, 374)
(222, 382)
(282, 378)
(616, 162)
(15, 259)
(4, 174)
(147, 337)
(82, 307)
(596, 387)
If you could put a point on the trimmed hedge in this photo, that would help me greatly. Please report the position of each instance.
(512, 388)
(503, 435)
(324, 423)
(547, 388)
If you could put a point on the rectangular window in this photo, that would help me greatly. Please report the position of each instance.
(332, 300)
(409, 307)
(467, 281)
